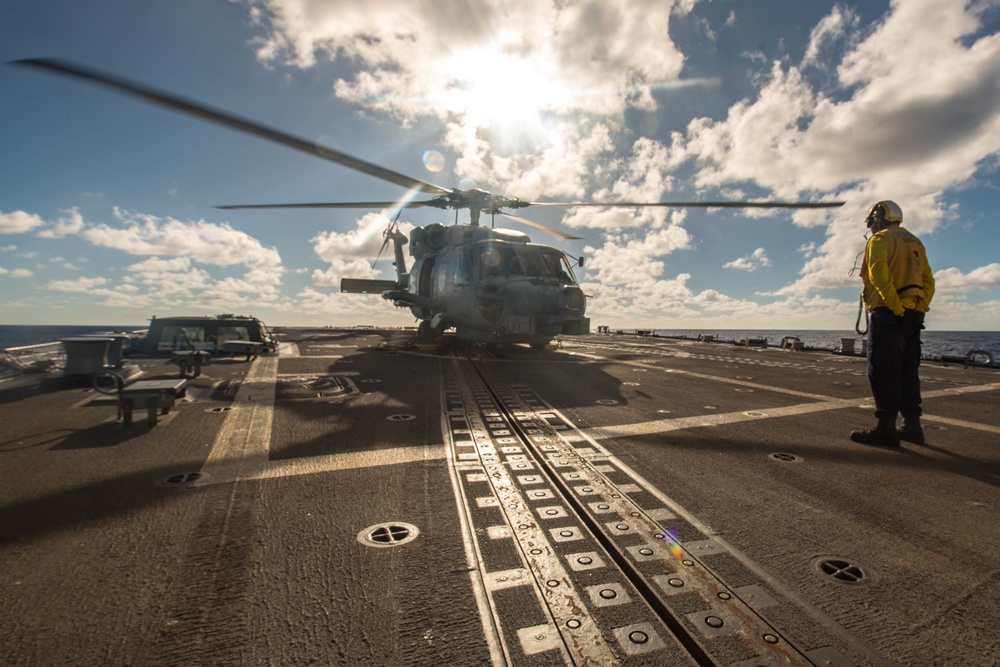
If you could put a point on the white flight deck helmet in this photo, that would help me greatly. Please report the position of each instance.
(883, 214)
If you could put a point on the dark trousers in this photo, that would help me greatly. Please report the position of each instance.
(893, 363)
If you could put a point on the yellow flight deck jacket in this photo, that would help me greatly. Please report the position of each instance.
(895, 272)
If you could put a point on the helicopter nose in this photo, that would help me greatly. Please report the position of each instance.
(572, 300)
(531, 298)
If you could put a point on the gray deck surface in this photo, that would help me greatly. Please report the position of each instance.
(267, 552)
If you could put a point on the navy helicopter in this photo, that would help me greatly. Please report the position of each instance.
(490, 285)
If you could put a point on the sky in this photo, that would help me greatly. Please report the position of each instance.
(108, 204)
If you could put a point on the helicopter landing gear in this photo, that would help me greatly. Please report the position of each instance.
(425, 334)
(428, 335)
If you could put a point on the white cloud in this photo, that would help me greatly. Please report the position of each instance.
(888, 117)
(841, 23)
(177, 271)
(81, 284)
(501, 75)
(17, 222)
(156, 265)
(534, 96)
(953, 280)
(593, 48)
(343, 268)
(915, 112)
(364, 241)
(197, 241)
(653, 301)
(807, 249)
(642, 176)
(350, 254)
(354, 307)
(751, 262)
(174, 277)
(627, 259)
(71, 222)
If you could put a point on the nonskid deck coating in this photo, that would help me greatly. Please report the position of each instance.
(261, 562)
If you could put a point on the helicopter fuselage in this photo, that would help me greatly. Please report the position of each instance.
(490, 285)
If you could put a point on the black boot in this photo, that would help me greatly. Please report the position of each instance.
(911, 431)
(883, 435)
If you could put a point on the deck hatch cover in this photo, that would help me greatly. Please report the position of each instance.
(389, 534)
(841, 570)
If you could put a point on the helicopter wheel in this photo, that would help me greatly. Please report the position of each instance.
(425, 334)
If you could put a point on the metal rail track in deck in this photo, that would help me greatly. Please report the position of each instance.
(577, 562)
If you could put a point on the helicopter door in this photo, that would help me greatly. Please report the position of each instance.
(425, 282)
(421, 283)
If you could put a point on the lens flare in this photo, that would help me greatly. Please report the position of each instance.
(672, 536)
(433, 161)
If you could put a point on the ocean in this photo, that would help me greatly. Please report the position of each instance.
(936, 343)
(36, 334)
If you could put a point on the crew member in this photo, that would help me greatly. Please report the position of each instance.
(898, 287)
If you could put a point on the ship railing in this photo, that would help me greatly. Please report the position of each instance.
(41, 358)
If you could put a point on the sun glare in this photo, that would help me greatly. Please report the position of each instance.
(503, 91)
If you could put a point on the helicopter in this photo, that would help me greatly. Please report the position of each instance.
(491, 285)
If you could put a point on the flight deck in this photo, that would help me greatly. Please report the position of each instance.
(354, 499)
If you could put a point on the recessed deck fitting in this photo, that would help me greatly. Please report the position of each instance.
(183, 480)
(389, 534)
(784, 457)
(841, 570)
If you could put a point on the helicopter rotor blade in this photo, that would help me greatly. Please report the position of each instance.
(447, 197)
(540, 226)
(693, 204)
(232, 121)
(382, 249)
(358, 204)
(388, 236)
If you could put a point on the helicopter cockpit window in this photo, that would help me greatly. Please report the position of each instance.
(568, 268)
(529, 261)
(558, 266)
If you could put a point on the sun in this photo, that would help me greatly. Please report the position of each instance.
(503, 91)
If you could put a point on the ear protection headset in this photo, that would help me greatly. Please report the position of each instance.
(883, 214)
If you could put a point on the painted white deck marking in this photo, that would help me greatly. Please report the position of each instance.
(240, 451)
(348, 460)
(241, 445)
(288, 350)
(823, 403)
